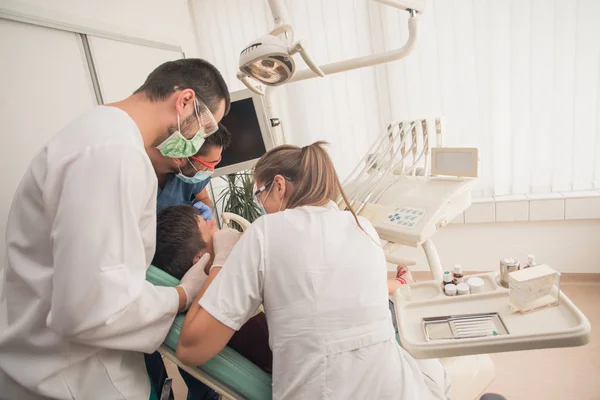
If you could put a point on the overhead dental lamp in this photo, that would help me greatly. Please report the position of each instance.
(269, 59)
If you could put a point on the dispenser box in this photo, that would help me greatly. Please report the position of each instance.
(534, 288)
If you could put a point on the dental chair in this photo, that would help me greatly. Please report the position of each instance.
(228, 373)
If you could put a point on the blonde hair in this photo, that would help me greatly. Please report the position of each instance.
(313, 176)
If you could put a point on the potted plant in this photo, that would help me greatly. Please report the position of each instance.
(238, 197)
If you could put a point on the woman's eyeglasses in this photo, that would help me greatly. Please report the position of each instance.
(266, 186)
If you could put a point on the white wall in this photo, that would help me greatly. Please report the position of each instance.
(157, 20)
(567, 246)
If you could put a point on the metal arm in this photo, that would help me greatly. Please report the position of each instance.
(367, 61)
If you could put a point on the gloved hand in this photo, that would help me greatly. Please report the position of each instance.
(223, 242)
(194, 279)
(205, 211)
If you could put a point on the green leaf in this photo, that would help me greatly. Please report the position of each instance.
(238, 196)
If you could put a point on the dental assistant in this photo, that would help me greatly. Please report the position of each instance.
(81, 234)
(321, 276)
(184, 180)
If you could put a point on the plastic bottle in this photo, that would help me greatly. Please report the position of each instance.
(450, 289)
(475, 285)
(447, 278)
(457, 274)
(462, 288)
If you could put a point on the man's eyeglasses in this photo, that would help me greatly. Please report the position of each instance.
(205, 116)
(209, 165)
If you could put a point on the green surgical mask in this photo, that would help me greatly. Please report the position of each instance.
(177, 146)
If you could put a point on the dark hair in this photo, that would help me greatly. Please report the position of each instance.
(178, 240)
(188, 73)
(221, 138)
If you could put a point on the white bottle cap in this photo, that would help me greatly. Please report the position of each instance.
(457, 269)
(447, 276)
(450, 289)
(475, 284)
(462, 288)
(530, 259)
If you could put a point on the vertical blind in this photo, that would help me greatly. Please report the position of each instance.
(519, 79)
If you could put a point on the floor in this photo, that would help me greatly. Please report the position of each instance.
(552, 374)
(556, 374)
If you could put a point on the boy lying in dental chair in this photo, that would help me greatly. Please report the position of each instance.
(182, 238)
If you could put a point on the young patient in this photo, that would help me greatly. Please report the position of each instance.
(182, 237)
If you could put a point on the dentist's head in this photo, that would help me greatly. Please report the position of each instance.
(189, 97)
(291, 176)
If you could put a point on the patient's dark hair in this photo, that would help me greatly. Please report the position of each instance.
(178, 240)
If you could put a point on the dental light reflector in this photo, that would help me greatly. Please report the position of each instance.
(274, 70)
(267, 60)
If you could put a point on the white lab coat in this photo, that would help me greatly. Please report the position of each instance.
(81, 233)
(322, 281)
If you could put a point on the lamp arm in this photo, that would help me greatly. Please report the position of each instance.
(279, 13)
(298, 47)
(367, 61)
(244, 78)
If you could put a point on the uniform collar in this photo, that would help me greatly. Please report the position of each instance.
(331, 205)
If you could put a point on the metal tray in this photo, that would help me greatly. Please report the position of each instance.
(463, 326)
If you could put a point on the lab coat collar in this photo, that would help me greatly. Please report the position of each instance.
(331, 205)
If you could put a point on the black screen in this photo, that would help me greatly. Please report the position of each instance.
(246, 137)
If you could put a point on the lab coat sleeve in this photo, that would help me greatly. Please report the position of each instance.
(103, 228)
(237, 291)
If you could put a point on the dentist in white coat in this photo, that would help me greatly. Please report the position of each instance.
(81, 233)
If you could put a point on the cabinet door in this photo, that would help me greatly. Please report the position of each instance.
(44, 84)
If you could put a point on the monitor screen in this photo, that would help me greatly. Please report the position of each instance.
(246, 137)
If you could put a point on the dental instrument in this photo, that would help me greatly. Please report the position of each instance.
(406, 209)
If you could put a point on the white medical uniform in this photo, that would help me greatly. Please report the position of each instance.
(81, 234)
(323, 285)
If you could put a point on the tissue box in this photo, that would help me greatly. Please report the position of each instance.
(534, 288)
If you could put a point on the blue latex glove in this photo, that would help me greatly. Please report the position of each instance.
(205, 211)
